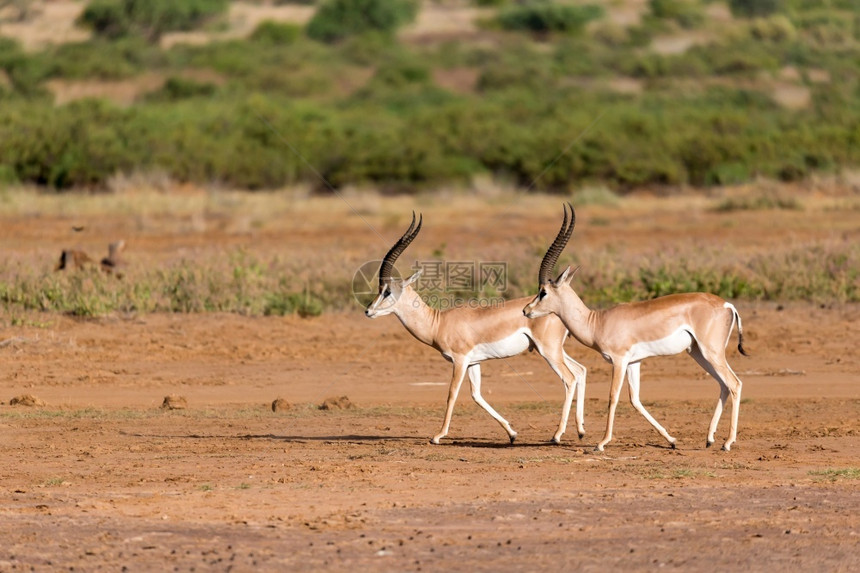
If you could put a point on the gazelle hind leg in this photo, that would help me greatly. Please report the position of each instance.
(579, 373)
(729, 383)
(474, 372)
(453, 391)
(735, 387)
(633, 387)
(618, 371)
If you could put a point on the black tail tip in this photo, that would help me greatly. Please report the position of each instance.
(741, 350)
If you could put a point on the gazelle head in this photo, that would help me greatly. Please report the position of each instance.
(392, 290)
(549, 298)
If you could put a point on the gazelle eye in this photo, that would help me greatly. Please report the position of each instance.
(542, 294)
(386, 293)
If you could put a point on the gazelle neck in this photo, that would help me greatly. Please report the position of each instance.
(577, 317)
(421, 320)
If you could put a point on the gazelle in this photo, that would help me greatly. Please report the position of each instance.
(699, 323)
(468, 336)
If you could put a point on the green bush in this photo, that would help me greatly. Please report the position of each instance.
(108, 18)
(336, 20)
(755, 8)
(25, 72)
(148, 18)
(101, 59)
(77, 145)
(177, 88)
(688, 13)
(773, 29)
(276, 33)
(542, 16)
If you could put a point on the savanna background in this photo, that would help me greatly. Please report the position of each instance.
(253, 155)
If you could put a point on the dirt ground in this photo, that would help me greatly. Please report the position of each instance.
(102, 478)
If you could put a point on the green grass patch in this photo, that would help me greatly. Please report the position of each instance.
(240, 283)
(836, 474)
(762, 202)
(679, 474)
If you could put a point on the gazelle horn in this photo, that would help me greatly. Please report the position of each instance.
(552, 254)
(398, 248)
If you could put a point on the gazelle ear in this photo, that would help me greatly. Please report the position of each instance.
(413, 278)
(564, 276)
(567, 275)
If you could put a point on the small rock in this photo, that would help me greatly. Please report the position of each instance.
(174, 402)
(334, 403)
(26, 400)
(281, 405)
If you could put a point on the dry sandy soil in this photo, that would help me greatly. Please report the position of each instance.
(103, 478)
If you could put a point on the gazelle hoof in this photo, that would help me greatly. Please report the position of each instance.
(581, 435)
(434, 441)
(673, 446)
(726, 447)
(513, 438)
(709, 444)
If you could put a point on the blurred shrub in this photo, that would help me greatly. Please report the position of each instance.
(773, 29)
(543, 16)
(687, 13)
(367, 49)
(24, 71)
(736, 57)
(335, 20)
(101, 59)
(276, 33)
(148, 18)
(755, 8)
(826, 29)
(177, 88)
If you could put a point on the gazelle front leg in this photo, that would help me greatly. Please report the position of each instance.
(579, 373)
(474, 372)
(460, 367)
(618, 369)
(572, 375)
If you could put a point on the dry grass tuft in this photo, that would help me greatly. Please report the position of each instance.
(174, 402)
(337, 403)
(281, 405)
(27, 400)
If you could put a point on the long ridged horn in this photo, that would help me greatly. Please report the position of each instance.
(398, 248)
(552, 254)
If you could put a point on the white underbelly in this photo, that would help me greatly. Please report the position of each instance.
(509, 346)
(678, 341)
